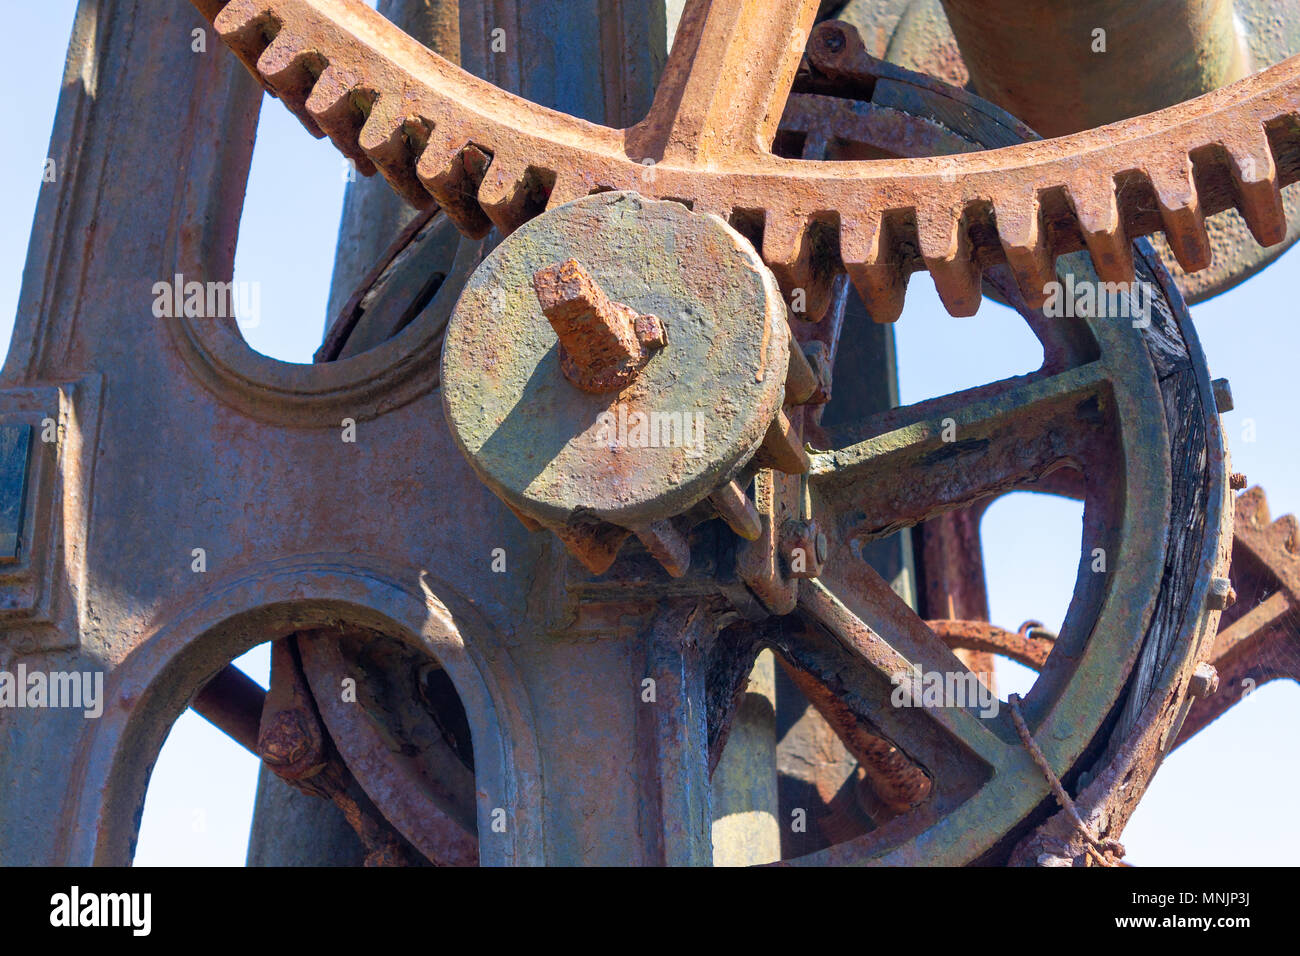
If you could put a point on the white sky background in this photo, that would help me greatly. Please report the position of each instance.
(1228, 797)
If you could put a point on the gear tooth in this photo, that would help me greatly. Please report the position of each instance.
(290, 71)
(1252, 506)
(668, 546)
(790, 249)
(594, 545)
(247, 27)
(237, 19)
(568, 186)
(331, 99)
(283, 64)
(1259, 196)
(787, 250)
(451, 170)
(950, 257)
(383, 128)
(512, 192)
(1180, 211)
(332, 105)
(1102, 227)
(873, 266)
(1286, 530)
(392, 139)
(1026, 246)
(439, 156)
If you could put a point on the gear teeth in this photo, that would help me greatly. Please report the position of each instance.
(568, 186)
(875, 272)
(667, 545)
(1259, 197)
(452, 170)
(595, 545)
(1255, 526)
(788, 250)
(1026, 246)
(502, 194)
(247, 27)
(1102, 227)
(392, 139)
(1180, 211)
(950, 256)
(512, 192)
(1253, 505)
(333, 107)
(290, 72)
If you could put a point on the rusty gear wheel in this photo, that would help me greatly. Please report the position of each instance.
(1130, 411)
(438, 134)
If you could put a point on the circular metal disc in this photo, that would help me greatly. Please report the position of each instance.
(694, 414)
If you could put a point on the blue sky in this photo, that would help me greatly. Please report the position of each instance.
(1225, 798)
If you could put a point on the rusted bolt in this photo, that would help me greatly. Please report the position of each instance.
(833, 39)
(1236, 481)
(650, 332)
(603, 344)
(285, 741)
(804, 547)
(1222, 395)
(1204, 682)
(1221, 595)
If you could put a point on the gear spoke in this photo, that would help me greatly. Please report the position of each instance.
(840, 650)
(727, 79)
(1000, 435)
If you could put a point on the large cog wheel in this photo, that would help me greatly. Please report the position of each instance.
(489, 158)
(1130, 410)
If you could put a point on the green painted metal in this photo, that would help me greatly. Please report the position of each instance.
(692, 417)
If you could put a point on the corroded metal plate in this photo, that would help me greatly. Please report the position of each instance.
(693, 415)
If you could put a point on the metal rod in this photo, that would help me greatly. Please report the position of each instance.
(232, 702)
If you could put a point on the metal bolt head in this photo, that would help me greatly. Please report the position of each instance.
(650, 331)
(833, 39)
(803, 546)
(603, 344)
(1222, 395)
(1204, 682)
(1221, 595)
(285, 740)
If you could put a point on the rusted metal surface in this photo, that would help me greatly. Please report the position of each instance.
(402, 736)
(1025, 205)
(603, 344)
(232, 701)
(1025, 646)
(294, 744)
(683, 419)
(1259, 636)
(405, 592)
(1149, 55)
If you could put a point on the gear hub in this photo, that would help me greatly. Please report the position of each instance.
(613, 363)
